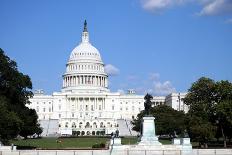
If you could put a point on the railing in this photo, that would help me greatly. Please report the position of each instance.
(120, 152)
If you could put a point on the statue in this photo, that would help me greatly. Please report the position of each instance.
(117, 133)
(147, 104)
(186, 134)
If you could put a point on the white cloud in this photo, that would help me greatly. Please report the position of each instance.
(164, 88)
(209, 7)
(111, 70)
(157, 5)
(121, 91)
(152, 84)
(216, 7)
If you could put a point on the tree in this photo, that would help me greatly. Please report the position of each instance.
(39, 130)
(30, 124)
(211, 105)
(15, 91)
(201, 99)
(167, 120)
(223, 108)
(200, 130)
(10, 123)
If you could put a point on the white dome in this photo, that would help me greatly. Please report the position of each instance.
(85, 51)
(85, 70)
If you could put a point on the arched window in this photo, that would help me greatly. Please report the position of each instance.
(80, 125)
(94, 125)
(87, 125)
(101, 125)
(74, 125)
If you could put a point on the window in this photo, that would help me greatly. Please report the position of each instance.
(120, 108)
(133, 108)
(99, 107)
(50, 109)
(112, 107)
(59, 115)
(59, 107)
(80, 107)
(86, 107)
(43, 109)
(37, 108)
(92, 107)
(72, 114)
(126, 108)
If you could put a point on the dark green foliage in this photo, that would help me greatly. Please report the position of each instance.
(167, 120)
(15, 91)
(10, 123)
(101, 145)
(210, 113)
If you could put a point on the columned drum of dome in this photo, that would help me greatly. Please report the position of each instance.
(85, 68)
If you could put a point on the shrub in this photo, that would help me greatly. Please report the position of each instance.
(101, 145)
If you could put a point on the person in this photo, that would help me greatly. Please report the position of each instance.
(117, 133)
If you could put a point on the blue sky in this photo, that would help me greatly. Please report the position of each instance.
(157, 46)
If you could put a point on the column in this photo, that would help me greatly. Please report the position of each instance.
(100, 81)
(96, 81)
(92, 80)
(71, 81)
(68, 81)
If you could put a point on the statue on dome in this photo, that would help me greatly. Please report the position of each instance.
(147, 104)
(85, 27)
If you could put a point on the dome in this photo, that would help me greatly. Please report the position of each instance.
(85, 51)
(85, 70)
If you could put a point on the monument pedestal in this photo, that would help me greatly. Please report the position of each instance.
(148, 134)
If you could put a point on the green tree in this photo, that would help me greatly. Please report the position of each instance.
(10, 123)
(15, 91)
(223, 108)
(201, 99)
(200, 130)
(167, 120)
(211, 105)
(30, 124)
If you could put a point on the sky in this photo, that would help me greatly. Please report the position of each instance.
(155, 46)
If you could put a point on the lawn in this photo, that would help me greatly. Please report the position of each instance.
(68, 143)
(74, 143)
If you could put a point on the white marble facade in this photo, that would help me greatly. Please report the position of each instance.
(85, 103)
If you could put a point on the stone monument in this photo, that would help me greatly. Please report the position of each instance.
(148, 136)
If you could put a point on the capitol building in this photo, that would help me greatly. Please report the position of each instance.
(85, 105)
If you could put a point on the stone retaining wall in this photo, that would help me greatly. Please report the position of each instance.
(118, 152)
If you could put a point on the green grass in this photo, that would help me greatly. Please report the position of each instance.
(51, 143)
(129, 140)
(75, 143)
